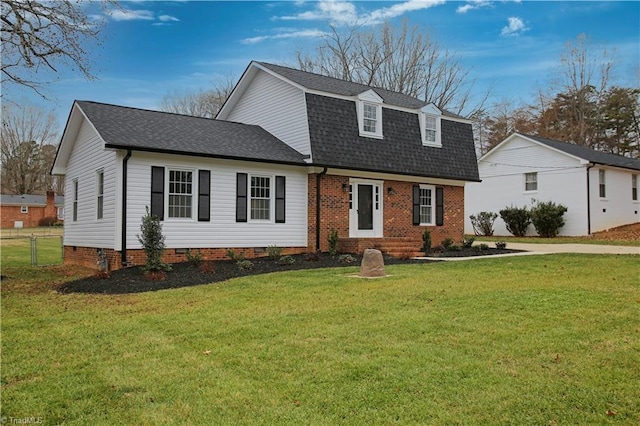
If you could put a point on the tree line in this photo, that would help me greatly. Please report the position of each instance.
(580, 107)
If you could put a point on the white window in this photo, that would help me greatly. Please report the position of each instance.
(369, 107)
(634, 187)
(430, 125)
(427, 201)
(260, 198)
(75, 200)
(99, 194)
(24, 209)
(180, 193)
(603, 187)
(531, 181)
(60, 213)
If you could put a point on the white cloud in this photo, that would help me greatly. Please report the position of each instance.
(130, 15)
(167, 18)
(399, 9)
(474, 4)
(285, 35)
(516, 27)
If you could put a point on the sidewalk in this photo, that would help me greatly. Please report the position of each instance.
(534, 249)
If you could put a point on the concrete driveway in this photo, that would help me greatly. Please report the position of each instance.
(573, 248)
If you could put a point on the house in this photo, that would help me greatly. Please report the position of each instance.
(291, 157)
(28, 211)
(599, 189)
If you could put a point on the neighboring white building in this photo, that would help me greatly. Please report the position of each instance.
(600, 190)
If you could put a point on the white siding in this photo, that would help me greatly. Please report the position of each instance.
(561, 179)
(87, 157)
(266, 102)
(222, 231)
(617, 207)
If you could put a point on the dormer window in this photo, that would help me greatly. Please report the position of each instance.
(430, 126)
(369, 106)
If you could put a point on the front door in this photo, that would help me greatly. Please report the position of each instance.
(365, 215)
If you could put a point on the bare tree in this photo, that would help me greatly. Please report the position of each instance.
(40, 36)
(26, 149)
(203, 103)
(400, 59)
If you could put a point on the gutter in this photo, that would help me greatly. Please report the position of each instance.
(589, 201)
(318, 179)
(123, 230)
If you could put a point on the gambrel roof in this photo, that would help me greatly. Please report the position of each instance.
(588, 154)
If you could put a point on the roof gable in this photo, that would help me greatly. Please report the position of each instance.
(145, 130)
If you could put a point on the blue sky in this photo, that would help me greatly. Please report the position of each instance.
(149, 49)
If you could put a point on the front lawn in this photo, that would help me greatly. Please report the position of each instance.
(525, 340)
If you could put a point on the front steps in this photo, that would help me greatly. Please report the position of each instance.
(399, 247)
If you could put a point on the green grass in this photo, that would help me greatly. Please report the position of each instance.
(40, 231)
(17, 251)
(559, 240)
(526, 340)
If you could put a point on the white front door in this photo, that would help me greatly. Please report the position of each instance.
(365, 208)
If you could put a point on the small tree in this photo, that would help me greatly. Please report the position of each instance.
(333, 242)
(426, 241)
(547, 218)
(483, 223)
(152, 242)
(516, 219)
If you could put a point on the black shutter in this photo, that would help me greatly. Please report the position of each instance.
(439, 207)
(157, 192)
(416, 204)
(241, 197)
(204, 195)
(280, 199)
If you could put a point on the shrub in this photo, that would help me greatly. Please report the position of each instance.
(547, 218)
(244, 264)
(194, 259)
(483, 223)
(467, 242)
(287, 260)
(501, 245)
(516, 219)
(333, 242)
(346, 258)
(426, 241)
(274, 252)
(454, 247)
(235, 256)
(447, 243)
(483, 246)
(152, 242)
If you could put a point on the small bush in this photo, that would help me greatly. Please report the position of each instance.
(426, 241)
(333, 242)
(346, 258)
(235, 256)
(244, 264)
(286, 260)
(501, 245)
(516, 219)
(194, 259)
(547, 218)
(483, 246)
(467, 242)
(274, 252)
(447, 243)
(152, 242)
(483, 223)
(313, 256)
(454, 247)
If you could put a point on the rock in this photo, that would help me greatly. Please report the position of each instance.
(372, 264)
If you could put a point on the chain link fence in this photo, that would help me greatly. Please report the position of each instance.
(46, 250)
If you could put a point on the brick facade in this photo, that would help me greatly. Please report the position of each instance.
(37, 215)
(334, 215)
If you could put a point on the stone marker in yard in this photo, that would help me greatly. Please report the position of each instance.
(372, 264)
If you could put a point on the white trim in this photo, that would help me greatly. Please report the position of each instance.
(431, 188)
(388, 176)
(24, 209)
(438, 129)
(194, 190)
(524, 182)
(97, 194)
(272, 197)
(377, 209)
(371, 99)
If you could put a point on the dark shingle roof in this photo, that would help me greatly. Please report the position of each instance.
(138, 129)
(346, 88)
(29, 200)
(589, 154)
(335, 142)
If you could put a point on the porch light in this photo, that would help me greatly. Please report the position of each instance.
(345, 187)
(390, 190)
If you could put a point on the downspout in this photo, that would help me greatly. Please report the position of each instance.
(123, 236)
(318, 179)
(589, 201)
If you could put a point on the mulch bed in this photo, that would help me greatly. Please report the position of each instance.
(133, 280)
